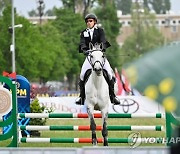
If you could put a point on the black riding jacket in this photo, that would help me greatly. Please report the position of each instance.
(98, 37)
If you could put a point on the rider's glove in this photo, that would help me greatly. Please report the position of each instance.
(86, 52)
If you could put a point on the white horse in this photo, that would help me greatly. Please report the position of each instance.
(97, 91)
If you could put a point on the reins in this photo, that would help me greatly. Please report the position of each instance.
(90, 61)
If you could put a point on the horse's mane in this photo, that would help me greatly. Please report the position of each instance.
(97, 46)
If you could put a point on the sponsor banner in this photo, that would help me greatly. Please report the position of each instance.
(129, 104)
(62, 104)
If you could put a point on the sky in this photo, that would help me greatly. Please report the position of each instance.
(24, 6)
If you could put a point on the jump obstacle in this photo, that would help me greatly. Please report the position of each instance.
(13, 117)
(14, 133)
(86, 128)
(85, 115)
(83, 140)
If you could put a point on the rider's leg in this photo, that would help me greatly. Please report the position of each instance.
(113, 98)
(85, 67)
(80, 100)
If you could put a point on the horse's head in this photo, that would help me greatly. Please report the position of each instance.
(97, 58)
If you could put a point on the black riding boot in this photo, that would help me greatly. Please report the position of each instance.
(113, 98)
(80, 100)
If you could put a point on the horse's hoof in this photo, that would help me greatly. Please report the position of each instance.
(105, 142)
(94, 142)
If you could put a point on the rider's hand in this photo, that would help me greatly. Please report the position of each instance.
(86, 52)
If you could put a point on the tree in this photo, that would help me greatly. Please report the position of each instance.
(167, 5)
(161, 6)
(88, 4)
(51, 12)
(145, 37)
(146, 5)
(3, 4)
(55, 55)
(70, 25)
(108, 18)
(79, 6)
(40, 53)
(33, 13)
(5, 40)
(124, 6)
(157, 6)
(39, 11)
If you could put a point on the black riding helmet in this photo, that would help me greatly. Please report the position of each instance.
(90, 16)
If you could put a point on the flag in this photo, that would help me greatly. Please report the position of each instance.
(119, 83)
(10, 75)
(125, 81)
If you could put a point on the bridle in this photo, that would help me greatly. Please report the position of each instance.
(89, 57)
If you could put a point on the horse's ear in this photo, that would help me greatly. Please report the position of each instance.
(90, 46)
(101, 46)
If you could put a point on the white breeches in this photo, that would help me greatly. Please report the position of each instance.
(86, 65)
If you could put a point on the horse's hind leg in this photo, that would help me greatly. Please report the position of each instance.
(92, 126)
(104, 130)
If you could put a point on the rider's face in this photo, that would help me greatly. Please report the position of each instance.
(90, 23)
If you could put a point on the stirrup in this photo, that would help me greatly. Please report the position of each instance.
(116, 101)
(79, 101)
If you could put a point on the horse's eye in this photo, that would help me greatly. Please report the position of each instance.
(103, 56)
(91, 56)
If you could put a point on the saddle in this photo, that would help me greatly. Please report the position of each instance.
(88, 73)
(109, 82)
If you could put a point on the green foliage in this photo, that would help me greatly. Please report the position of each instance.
(50, 12)
(33, 13)
(36, 108)
(50, 51)
(52, 54)
(39, 11)
(167, 5)
(161, 6)
(109, 20)
(27, 48)
(68, 4)
(146, 5)
(145, 37)
(124, 6)
(40, 52)
(3, 4)
(5, 40)
(157, 6)
(69, 26)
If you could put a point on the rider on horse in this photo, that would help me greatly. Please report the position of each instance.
(94, 35)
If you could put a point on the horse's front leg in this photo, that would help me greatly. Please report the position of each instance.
(104, 130)
(92, 125)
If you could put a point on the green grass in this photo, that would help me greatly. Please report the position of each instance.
(87, 134)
